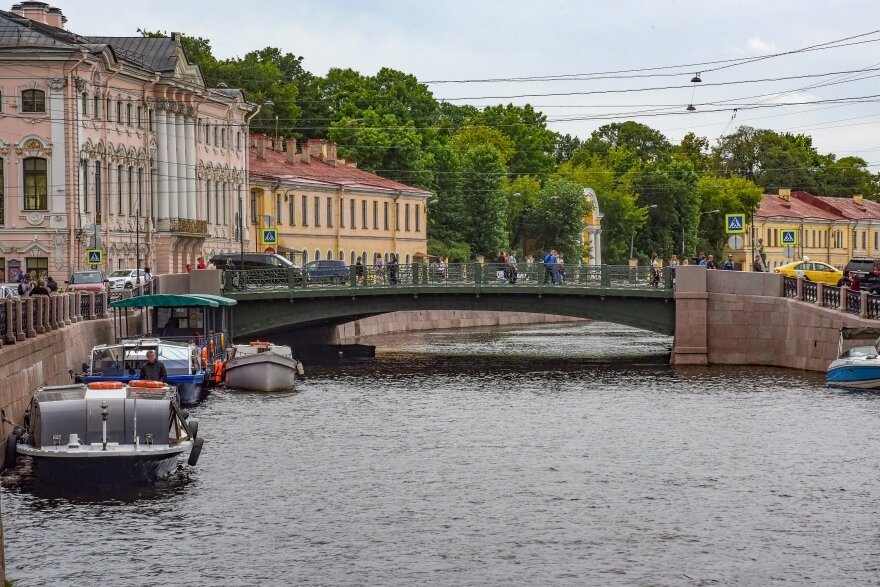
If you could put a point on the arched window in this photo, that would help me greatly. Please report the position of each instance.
(305, 256)
(128, 114)
(364, 257)
(109, 109)
(119, 191)
(317, 255)
(85, 104)
(33, 101)
(216, 142)
(329, 254)
(96, 106)
(36, 187)
(341, 254)
(223, 137)
(119, 112)
(407, 258)
(140, 117)
(353, 260)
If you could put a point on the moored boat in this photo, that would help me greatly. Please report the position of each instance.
(105, 435)
(859, 366)
(122, 361)
(261, 366)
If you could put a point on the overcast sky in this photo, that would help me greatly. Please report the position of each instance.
(458, 40)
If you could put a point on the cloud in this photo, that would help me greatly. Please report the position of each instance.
(793, 98)
(755, 46)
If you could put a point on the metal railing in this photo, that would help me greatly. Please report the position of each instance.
(789, 287)
(434, 274)
(853, 302)
(809, 292)
(831, 298)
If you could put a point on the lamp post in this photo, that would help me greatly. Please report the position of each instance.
(137, 245)
(716, 211)
(632, 237)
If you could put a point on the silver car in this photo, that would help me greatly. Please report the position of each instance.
(126, 278)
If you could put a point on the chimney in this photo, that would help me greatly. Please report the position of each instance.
(253, 138)
(291, 150)
(16, 9)
(352, 164)
(785, 194)
(35, 11)
(277, 143)
(261, 146)
(330, 153)
(55, 18)
(316, 147)
(858, 200)
(306, 155)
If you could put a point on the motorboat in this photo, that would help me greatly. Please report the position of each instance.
(859, 366)
(261, 366)
(105, 434)
(122, 361)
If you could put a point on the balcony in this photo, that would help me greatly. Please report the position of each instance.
(186, 226)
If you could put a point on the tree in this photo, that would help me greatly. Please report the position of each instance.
(671, 186)
(484, 203)
(522, 194)
(728, 195)
(647, 144)
(846, 176)
(566, 146)
(695, 150)
(534, 143)
(559, 219)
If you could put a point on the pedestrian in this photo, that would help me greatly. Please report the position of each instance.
(39, 289)
(758, 265)
(502, 271)
(655, 270)
(25, 286)
(760, 250)
(359, 271)
(51, 284)
(200, 263)
(392, 268)
(560, 269)
(511, 262)
(710, 262)
(377, 261)
(147, 275)
(187, 268)
(728, 265)
(701, 260)
(153, 369)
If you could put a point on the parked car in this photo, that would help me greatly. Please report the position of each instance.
(812, 271)
(327, 271)
(126, 278)
(8, 290)
(274, 270)
(91, 280)
(868, 270)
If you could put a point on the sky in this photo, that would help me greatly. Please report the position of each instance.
(455, 40)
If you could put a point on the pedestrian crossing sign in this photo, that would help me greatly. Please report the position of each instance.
(94, 256)
(269, 237)
(735, 223)
(789, 238)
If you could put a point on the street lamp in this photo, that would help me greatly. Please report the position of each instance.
(632, 237)
(716, 211)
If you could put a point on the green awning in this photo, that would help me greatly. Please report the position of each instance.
(174, 301)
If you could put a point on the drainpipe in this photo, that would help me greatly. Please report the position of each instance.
(74, 140)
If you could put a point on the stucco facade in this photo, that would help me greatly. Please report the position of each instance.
(111, 143)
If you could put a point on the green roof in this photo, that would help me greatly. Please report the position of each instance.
(174, 301)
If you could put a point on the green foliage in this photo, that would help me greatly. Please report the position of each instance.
(523, 194)
(559, 218)
(484, 203)
(534, 143)
(728, 195)
(647, 143)
(455, 252)
(671, 187)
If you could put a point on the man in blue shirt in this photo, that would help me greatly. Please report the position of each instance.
(728, 265)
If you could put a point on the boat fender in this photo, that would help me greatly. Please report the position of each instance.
(192, 428)
(299, 369)
(11, 452)
(218, 372)
(184, 414)
(145, 383)
(196, 452)
(105, 385)
(204, 357)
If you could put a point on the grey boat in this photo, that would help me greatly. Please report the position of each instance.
(261, 366)
(105, 435)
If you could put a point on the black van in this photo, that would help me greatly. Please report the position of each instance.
(270, 269)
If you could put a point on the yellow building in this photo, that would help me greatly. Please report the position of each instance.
(324, 207)
(827, 229)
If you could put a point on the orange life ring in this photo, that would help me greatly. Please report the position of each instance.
(260, 343)
(204, 357)
(145, 383)
(218, 371)
(105, 385)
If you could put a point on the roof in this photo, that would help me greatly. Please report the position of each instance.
(318, 172)
(18, 32)
(174, 301)
(803, 205)
(156, 53)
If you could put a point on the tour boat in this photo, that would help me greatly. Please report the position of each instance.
(261, 366)
(105, 435)
(859, 366)
(123, 361)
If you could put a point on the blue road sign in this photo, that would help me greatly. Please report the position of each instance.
(269, 236)
(788, 238)
(94, 256)
(734, 223)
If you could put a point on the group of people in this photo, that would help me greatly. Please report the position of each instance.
(380, 269)
(554, 268)
(506, 262)
(200, 264)
(29, 285)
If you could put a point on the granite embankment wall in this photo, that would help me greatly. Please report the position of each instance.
(737, 318)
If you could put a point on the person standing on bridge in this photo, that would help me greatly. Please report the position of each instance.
(728, 265)
(758, 265)
(359, 271)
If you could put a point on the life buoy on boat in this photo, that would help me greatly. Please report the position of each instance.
(204, 357)
(145, 383)
(218, 372)
(105, 385)
(259, 343)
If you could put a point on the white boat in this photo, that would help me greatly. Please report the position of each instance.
(105, 435)
(261, 366)
(857, 367)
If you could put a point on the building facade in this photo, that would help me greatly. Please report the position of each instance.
(111, 144)
(324, 207)
(827, 229)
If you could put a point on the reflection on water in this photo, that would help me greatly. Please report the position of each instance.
(561, 454)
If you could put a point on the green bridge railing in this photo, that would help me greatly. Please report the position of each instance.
(523, 275)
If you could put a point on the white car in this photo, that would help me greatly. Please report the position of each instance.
(8, 290)
(126, 278)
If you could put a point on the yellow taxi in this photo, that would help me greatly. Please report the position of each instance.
(812, 271)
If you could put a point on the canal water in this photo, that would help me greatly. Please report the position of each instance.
(551, 455)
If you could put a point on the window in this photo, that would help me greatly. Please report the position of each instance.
(317, 212)
(140, 187)
(305, 256)
(97, 192)
(217, 206)
(375, 214)
(329, 254)
(305, 211)
(131, 191)
(152, 124)
(238, 140)
(330, 212)
(253, 206)
(96, 106)
(277, 209)
(406, 217)
(364, 214)
(119, 112)
(38, 265)
(109, 108)
(2, 199)
(215, 135)
(85, 104)
(396, 216)
(85, 185)
(385, 212)
(33, 101)
(35, 184)
(291, 208)
(341, 254)
(351, 206)
(418, 218)
(223, 137)
(128, 114)
(120, 210)
(140, 117)
(317, 255)
(876, 234)
(864, 240)
(208, 200)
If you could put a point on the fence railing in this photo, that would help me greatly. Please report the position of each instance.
(441, 274)
(843, 299)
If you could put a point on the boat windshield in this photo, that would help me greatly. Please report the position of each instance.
(128, 360)
(861, 351)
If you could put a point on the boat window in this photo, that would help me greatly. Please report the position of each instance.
(176, 359)
(106, 361)
(861, 351)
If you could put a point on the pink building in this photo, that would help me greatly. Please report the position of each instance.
(112, 143)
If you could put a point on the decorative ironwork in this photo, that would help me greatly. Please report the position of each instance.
(789, 287)
(84, 307)
(873, 307)
(189, 226)
(809, 292)
(3, 322)
(831, 298)
(853, 302)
